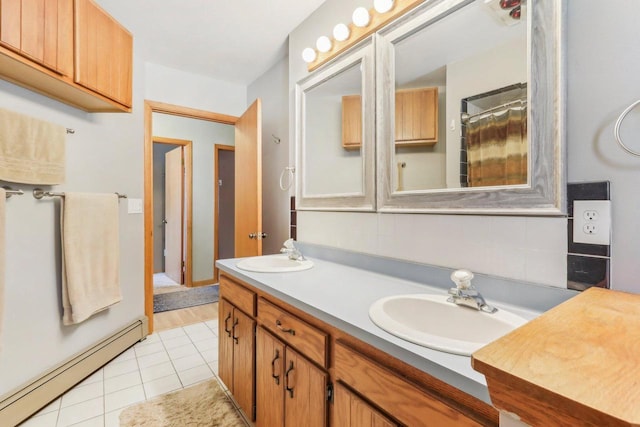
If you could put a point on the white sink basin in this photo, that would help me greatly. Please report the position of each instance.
(273, 264)
(430, 321)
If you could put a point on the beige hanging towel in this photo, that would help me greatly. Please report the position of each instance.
(3, 196)
(32, 151)
(90, 254)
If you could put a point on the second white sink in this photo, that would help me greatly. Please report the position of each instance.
(273, 264)
(429, 320)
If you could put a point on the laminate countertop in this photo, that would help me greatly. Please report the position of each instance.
(577, 364)
(341, 295)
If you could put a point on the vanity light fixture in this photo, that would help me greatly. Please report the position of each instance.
(323, 44)
(341, 32)
(365, 22)
(361, 17)
(309, 55)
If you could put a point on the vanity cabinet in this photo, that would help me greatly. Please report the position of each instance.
(69, 50)
(351, 122)
(236, 332)
(290, 389)
(40, 30)
(416, 120)
(352, 411)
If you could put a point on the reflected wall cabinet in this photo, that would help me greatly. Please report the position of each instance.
(69, 50)
(417, 116)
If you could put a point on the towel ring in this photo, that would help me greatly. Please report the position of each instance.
(616, 129)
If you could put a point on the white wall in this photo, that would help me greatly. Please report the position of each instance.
(531, 249)
(104, 155)
(204, 135)
(271, 88)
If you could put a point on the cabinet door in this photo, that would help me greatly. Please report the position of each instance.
(225, 344)
(305, 392)
(269, 380)
(103, 53)
(41, 30)
(244, 361)
(416, 120)
(352, 411)
(351, 121)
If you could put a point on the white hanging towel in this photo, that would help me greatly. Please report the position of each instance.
(90, 254)
(32, 151)
(2, 232)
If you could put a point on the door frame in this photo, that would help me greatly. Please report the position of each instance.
(151, 107)
(187, 210)
(216, 214)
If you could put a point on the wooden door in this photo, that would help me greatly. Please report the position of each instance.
(173, 215)
(248, 181)
(244, 361)
(352, 411)
(225, 343)
(41, 30)
(104, 53)
(305, 392)
(269, 380)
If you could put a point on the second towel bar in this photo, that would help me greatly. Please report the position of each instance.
(39, 193)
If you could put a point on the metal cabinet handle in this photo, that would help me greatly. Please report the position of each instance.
(233, 330)
(262, 235)
(226, 328)
(273, 368)
(252, 235)
(286, 380)
(285, 330)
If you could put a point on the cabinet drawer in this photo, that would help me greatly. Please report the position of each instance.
(242, 298)
(382, 387)
(305, 338)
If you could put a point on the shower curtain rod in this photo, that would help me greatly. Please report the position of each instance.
(466, 116)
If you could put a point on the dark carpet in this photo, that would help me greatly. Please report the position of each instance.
(183, 299)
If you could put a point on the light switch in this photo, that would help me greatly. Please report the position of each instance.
(134, 206)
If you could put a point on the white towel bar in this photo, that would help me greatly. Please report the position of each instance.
(39, 193)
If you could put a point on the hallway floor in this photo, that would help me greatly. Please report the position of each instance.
(166, 361)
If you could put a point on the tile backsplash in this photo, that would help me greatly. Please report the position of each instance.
(587, 265)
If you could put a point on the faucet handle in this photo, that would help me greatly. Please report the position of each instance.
(462, 278)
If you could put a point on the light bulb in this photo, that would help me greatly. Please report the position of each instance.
(382, 6)
(323, 44)
(309, 55)
(341, 32)
(360, 17)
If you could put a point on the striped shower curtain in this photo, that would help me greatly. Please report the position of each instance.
(497, 148)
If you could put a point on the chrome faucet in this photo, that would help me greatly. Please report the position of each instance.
(466, 294)
(292, 252)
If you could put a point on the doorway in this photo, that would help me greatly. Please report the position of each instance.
(224, 222)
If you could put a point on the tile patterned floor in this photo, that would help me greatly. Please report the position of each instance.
(164, 362)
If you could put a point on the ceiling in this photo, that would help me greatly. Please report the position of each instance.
(230, 40)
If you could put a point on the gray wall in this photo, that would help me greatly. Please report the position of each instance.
(271, 88)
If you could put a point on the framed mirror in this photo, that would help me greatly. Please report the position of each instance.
(335, 127)
(470, 108)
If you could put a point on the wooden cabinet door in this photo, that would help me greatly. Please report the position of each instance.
(416, 119)
(352, 411)
(103, 55)
(305, 392)
(225, 343)
(41, 30)
(351, 121)
(244, 361)
(269, 380)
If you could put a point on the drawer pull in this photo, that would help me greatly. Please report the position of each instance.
(273, 368)
(286, 380)
(285, 330)
(233, 329)
(226, 328)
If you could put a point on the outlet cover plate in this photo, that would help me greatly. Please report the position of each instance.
(592, 222)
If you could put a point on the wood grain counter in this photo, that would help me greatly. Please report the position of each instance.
(577, 364)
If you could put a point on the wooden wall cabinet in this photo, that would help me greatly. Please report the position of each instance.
(236, 348)
(416, 120)
(351, 122)
(69, 50)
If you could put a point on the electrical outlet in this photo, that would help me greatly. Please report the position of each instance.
(592, 222)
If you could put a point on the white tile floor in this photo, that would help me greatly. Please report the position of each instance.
(164, 362)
